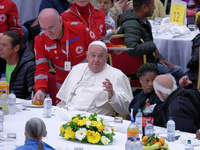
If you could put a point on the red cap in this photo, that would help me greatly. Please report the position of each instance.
(147, 104)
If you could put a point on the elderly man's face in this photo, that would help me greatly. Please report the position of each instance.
(97, 57)
(6, 50)
(52, 27)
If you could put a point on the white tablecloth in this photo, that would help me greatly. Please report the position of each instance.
(175, 50)
(16, 123)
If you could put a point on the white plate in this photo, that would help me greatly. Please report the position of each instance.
(29, 104)
(119, 48)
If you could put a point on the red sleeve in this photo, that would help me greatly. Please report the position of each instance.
(42, 67)
(13, 19)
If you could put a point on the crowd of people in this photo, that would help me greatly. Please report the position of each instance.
(73, 38)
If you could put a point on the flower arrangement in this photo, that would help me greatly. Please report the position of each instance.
(91, 129)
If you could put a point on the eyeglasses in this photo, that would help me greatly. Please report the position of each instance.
(50, 28)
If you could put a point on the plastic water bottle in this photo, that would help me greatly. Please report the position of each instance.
(132, 145)
(47, 107)
(4, 102)
(149, 129)
(1, 119)
(11, 103)
(170, 130)
(138, 119)
(4, 84)
(147, 115)
(132, 130)
(189, 146)
(139, 144)
(127, 144)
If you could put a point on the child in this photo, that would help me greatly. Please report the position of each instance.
(35, 129)
(105, 5)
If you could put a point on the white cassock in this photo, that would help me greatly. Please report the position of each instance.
(83, 90)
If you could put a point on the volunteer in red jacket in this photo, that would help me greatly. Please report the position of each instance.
(63, 43)
(92, 17)
(9, 17)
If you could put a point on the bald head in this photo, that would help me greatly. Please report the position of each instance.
(48, 13)
(164, 85)
(165, 80)
(51, 23)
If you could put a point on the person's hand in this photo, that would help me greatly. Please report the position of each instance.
(123, 4)
(184, 81)
(117, 52)
(156, 53)
(164, 62)
(198, 134)
(39, 95)
(114, 32)
(108, 87)
(35, 23)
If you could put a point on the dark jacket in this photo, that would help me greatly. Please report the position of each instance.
(140, 100)
(183, 105)
(193, 64)
(22, 76)
(135, 29)
(59, 5)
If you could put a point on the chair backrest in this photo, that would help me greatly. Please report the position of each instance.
(129, 65)
(198, 83)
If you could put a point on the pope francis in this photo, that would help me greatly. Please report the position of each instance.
(96, 86)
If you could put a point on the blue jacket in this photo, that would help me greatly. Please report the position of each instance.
(33, 145)
(59, 5)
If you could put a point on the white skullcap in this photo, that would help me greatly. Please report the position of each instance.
(99, 43)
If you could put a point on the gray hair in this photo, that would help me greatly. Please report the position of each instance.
(165, 91)
(35, 128)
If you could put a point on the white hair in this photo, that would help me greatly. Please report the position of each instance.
(99, 43)
(165, 91)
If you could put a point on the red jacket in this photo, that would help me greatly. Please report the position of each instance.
(96, 21)
(9, 17)
(77, 35)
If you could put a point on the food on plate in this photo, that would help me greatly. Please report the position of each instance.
(153, 142)
(119, 46)
(37, 102)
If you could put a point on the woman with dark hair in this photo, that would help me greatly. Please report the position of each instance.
(18, 64)
(193, 64)
(35, 129)
(146, 74)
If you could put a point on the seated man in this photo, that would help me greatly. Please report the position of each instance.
(17, 63)
(95, 86)
(181, 103)
(135, 26)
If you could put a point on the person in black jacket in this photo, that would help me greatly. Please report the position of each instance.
(182, 104)
(193, 64)
(146, 74)
(138, 35)
(18, 64)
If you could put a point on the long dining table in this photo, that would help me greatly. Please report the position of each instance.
(16, 124)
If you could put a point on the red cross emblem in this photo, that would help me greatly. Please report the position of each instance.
(79, 49)
(2, 17)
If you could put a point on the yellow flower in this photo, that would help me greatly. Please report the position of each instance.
(112, 129)
(83, 122)
(94, 138)
(69, 133)
(89, 132)
(96, 124)
(62, 130)
(101, 128)
(76, 120)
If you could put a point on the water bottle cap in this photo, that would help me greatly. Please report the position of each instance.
(147, 104)
(148, 121)
(129, 138)
(2, 75)
(0, 108)
(12, 91)
(170, 118)
(4, 91)
(139, 109)
(189, 141)
(132, 139)
(138, 139)
(132, 120)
